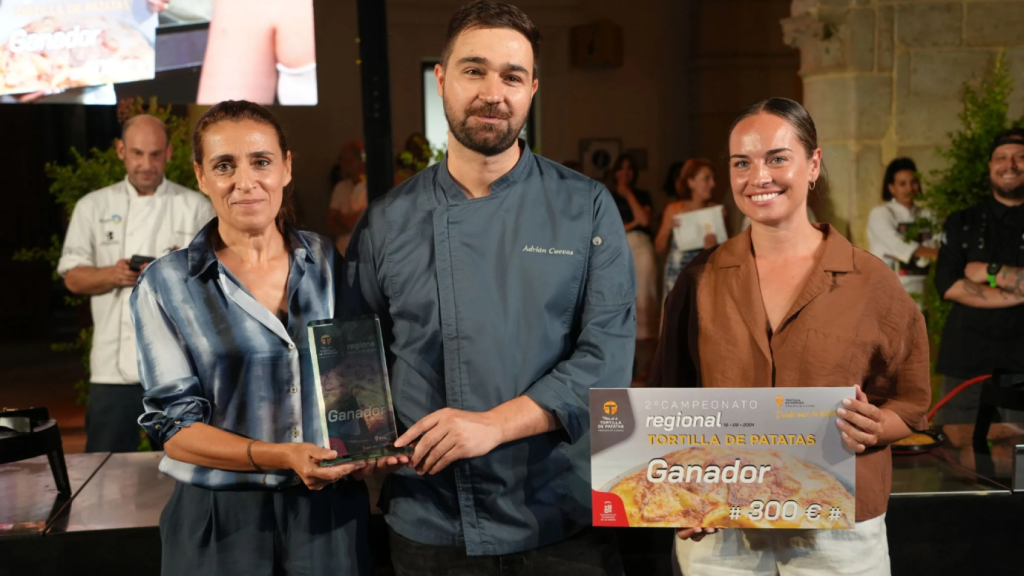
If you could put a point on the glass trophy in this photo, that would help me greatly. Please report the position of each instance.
(353, 393)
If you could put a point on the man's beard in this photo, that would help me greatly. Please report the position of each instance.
(1014, 193)
(487, 139)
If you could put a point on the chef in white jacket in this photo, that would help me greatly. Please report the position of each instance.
(888, 224)
(143, 215)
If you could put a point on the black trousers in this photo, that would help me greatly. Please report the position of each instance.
(294, 531)
(589, 553)
(112, 418)
(963, 408)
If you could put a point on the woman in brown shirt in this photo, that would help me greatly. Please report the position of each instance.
(786, 304)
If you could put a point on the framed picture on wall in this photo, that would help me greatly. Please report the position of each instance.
(598, 154)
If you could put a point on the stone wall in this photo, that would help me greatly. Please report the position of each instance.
(884, 78)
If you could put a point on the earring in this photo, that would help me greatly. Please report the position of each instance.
(811, 185)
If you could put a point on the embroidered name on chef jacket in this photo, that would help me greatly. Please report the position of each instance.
(552, 251)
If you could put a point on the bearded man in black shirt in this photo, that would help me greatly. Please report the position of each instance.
(981, 269)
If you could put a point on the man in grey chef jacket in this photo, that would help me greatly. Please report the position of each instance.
(506, 291)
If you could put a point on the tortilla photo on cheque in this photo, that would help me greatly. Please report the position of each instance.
(679, 490)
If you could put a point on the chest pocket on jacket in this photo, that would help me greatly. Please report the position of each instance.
(550, 277)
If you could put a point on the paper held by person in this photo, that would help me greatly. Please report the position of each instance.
(691, 228)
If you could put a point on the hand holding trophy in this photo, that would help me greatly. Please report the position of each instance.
(354, 395)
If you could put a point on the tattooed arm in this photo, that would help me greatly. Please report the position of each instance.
(981, 296)
(965, 282)
(1011, 279)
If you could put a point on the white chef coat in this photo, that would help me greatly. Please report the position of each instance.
(114, 223)
(887, 242)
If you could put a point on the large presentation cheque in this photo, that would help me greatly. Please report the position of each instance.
(721, 457)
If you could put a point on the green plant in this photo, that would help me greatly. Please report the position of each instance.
(415, 163)
(965, 179)
(99, 169)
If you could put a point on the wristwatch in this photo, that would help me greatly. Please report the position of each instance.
(993, 269)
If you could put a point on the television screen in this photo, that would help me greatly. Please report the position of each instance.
(55, 45)
(180, 51)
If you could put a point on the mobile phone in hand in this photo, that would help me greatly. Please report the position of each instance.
(137, 262)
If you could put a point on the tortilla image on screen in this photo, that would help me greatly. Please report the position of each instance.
(57, 53)
(708, 504)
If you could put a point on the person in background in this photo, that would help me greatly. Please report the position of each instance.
(143, 215)
(225, 361)
(348, 198)
(504, 287)
(981, 270)
(888, 224)
(785, 304)
(260, 50)
(693, 184)
(635, 209)
(669, 187)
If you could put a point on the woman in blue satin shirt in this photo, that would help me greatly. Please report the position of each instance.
(223, 357)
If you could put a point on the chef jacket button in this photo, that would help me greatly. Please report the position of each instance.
(291, 346)
(295, 433)
(597, 241)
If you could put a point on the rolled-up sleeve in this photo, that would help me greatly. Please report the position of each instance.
(78, 248)
(603, 355)
(173, 396)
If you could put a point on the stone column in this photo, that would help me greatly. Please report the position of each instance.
(884, 78)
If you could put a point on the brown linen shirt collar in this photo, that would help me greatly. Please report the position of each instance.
(745, 290)
(837, 256)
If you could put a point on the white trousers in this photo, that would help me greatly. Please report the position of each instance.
(863, 551)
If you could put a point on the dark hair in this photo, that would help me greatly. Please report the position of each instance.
(669, 187)
(1011, 136)
(617, 165)
(239, 111)
(895, 167)
(800, 119)
(490, 14)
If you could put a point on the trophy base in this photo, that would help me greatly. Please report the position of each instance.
(372, 455)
